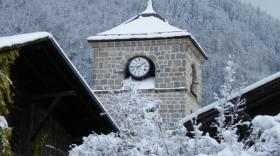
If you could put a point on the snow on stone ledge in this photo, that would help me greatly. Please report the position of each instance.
(10, 41)
(148, 83)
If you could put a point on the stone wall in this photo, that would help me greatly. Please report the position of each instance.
(175, 104)
(173, 60)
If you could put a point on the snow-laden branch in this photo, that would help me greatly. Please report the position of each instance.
(142, 131)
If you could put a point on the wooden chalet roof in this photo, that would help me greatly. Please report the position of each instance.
(43, 73)
(262, 98)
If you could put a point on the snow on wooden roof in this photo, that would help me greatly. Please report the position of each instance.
(11, 41)
(243, 91)
(21, 40)
(148, 24)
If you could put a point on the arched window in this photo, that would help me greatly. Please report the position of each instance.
(194, 84)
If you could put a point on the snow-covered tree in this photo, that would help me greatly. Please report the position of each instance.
(141, 128)
(6, 98)
(229, 118)
(222, 27)
(5, 134)
(142, 131)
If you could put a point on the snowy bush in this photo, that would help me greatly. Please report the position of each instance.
(268, 130)
(138, 118)
(5, 134)
(142, 131)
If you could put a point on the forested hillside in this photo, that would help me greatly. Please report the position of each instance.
(223, 28)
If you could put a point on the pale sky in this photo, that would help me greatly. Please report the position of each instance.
(270, 6)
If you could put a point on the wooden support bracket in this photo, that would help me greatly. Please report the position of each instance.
(45, 118)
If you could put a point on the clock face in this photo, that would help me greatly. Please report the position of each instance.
(139, 67)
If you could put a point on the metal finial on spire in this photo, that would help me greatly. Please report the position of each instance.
(150, 8)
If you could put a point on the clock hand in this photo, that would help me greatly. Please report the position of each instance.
(141, 65)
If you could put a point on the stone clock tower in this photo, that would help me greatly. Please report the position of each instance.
(164, 61)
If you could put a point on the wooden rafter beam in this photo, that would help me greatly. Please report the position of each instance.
(45, 118)
(252, 104)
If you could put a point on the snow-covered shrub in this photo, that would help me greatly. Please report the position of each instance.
(268, 130)
(142, 131)
(5, 134)
(6, 98)
(99, 145)
(141, 128)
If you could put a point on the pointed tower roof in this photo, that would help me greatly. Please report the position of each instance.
(147, 25)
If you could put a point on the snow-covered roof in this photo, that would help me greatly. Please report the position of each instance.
(243, 91)
(24, 39)
(146, 25)
(141, 27)
(11, 41)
